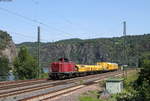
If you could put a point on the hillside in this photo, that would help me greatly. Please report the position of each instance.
(92, 50)
(7, 46)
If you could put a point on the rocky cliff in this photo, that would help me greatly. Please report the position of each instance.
(93, 50)
(7, 46)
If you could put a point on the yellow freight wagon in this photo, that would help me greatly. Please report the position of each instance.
(113, 66)
(110, 66)
(88, 67)
(84, 68)
(104, 65)
(95, 68)
(99, 67)
(81, 68)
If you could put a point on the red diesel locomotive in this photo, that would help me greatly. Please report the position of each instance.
(62, 69)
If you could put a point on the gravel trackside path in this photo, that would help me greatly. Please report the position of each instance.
(74, 96)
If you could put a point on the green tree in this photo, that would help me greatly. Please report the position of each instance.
(142, 85)
(25, 66)
(140, 90)
(4, 68)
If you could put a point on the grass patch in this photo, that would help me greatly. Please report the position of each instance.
(44, 75)
(81, 82)
(88, 98)
(131, 77)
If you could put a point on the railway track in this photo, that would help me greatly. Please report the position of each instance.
(28, 92)
(87, 81)
(19, 81)
(22, 83)
(52, 95)
(23, 89)
(9, 84)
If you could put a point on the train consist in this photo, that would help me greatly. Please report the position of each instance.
(67, 69)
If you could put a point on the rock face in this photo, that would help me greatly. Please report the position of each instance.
(7, 46)
(93, 50)
(10, 51)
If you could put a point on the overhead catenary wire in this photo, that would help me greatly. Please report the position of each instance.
(33, 20)
(63, 17)
(22, 34)
(46, 26)
(26, 36)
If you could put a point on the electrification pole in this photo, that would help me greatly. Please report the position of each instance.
(124, 48)
(124, 41)
(38, 50)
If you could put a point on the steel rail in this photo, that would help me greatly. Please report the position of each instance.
(77, 84)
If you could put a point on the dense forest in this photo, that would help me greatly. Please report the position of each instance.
(90, 51)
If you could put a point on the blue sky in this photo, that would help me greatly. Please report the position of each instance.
(64, 19)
